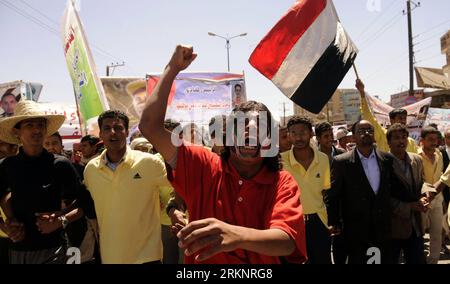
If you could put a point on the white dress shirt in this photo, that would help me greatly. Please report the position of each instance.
(372, 170)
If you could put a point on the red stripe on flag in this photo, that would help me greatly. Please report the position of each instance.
(276, 45)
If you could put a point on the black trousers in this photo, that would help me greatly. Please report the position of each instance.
(4, 250)
(171, 251)
(413, 250)
(318, 241)
(338, 249)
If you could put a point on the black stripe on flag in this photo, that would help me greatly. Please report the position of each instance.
(323, 80)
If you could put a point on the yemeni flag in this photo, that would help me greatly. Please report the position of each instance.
(307, 54)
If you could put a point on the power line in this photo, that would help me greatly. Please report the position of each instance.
(377, 18)
(369, 41)
(28, 16)
(49, 28)
(433, 28)
(385, 67)
(39, 12)
(431, 37)
(383, 26)
(98, 49)
(113, 67)
(428, 47)
(429, 58)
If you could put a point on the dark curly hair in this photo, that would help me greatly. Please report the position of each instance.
(398, 111)
(322, 128)
(58, 136)
(296, 119)
(428, 131)
(394, 128)
(115, 114)
(273, 164)
(91, 139)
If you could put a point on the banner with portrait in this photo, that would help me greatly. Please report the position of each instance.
(417, 114)
(440, 117)
(10, 94)
(194, 97)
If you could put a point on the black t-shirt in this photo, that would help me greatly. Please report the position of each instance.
(38, 185)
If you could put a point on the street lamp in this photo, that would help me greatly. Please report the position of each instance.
(228, 45)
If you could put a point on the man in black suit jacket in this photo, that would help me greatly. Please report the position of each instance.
(358, 203)
(445, 150)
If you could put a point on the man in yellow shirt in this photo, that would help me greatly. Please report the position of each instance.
(433, 167)
(441, 185)
(396, 116)
(311, 170)
(124, 185)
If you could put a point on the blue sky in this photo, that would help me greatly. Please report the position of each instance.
(143, 33)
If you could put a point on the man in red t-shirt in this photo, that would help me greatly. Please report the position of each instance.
(243, 208)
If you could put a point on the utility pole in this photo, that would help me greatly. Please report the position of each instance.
(286, 112)
(410, 43)
(228, 45)
(113, 66)
(328, 112)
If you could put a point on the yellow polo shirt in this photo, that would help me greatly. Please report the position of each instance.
(445, 178)
(380, 131)
(311, 182)
(127, 206)
(432, 172)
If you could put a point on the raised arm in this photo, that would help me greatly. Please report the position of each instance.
(380, 132)
(152, 120)
(13, 229)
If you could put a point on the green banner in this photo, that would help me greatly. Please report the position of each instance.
(89, 94)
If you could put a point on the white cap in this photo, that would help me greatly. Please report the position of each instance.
(341, 133)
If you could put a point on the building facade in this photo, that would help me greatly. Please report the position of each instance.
(343, 108)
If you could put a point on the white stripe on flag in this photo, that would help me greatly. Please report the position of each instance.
(345, 43)
(308, 50)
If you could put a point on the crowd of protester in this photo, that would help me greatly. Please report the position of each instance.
(140, 198)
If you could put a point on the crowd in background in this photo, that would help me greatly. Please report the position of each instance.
(366, 194)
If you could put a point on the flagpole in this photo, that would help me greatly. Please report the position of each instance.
(356, 71)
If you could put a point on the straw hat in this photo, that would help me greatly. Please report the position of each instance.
(341, 133)
(27, 109)
(135, 87)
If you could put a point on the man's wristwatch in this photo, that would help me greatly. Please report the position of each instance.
(170, 206)
(64, 221)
